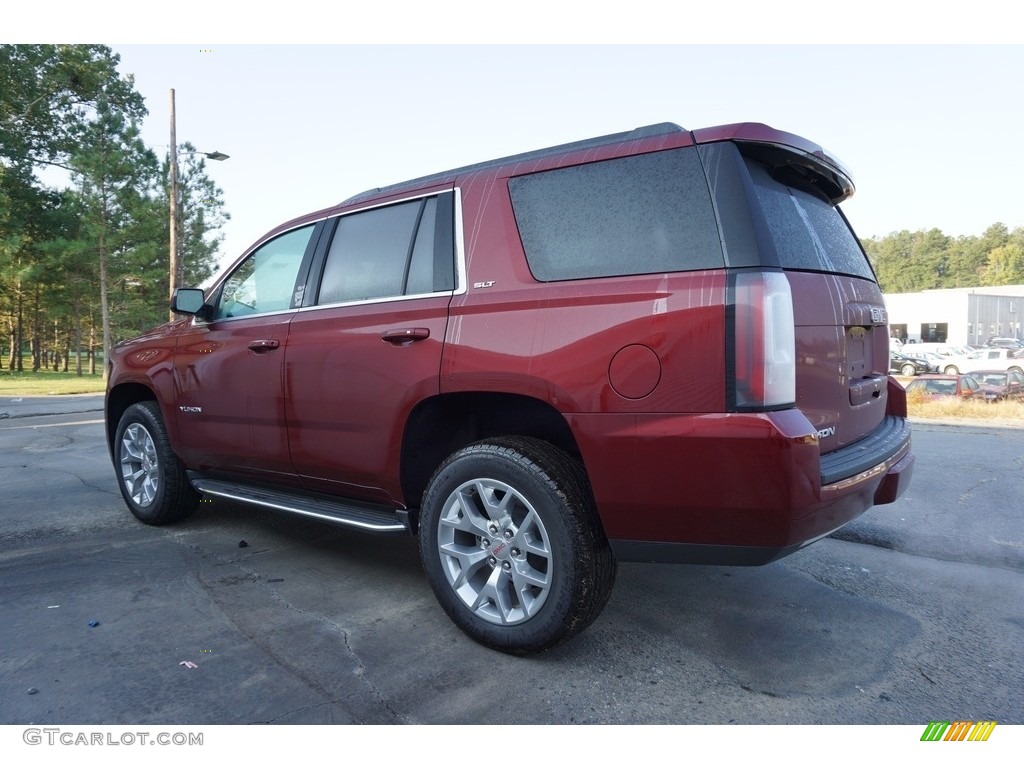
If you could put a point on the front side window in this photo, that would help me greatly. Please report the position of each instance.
(265, 281)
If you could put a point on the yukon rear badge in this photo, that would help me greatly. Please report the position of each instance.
(826, 432)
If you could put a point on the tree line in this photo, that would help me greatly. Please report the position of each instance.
(84, 261)
(906, 262)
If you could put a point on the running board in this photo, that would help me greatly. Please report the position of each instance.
(365, 517)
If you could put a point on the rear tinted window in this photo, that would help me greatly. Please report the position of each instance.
(808, 233)
(629, 216)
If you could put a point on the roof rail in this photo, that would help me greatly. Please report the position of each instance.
(644, 132)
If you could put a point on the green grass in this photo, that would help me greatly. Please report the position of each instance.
(49, 383)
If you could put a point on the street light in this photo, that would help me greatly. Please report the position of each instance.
(174, 265)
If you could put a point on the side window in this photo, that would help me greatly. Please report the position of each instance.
(628, 216)
(265, 281)
(397, 250)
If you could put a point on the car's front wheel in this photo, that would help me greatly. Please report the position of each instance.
(951, 370)
(908, 369)
(149, 475)
(512, 546)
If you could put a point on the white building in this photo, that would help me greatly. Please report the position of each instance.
(957, 315)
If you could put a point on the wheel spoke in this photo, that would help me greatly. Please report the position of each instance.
(470, 520)
(495, 594)
(525, 576)
(495, 507)
(469, 560)
(527, 537)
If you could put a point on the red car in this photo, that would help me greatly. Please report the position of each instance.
(662, 345)
(1007, 385)
(951, 385)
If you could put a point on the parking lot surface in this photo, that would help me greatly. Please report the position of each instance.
(911, 614)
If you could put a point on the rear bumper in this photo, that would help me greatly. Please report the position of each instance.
(731, 488)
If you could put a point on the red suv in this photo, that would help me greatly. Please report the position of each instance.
(658, 346)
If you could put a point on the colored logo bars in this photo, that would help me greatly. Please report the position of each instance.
(958, 730)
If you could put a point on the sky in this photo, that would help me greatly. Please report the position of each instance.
(929, 131)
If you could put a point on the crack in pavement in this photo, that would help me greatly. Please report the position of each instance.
(360, 670)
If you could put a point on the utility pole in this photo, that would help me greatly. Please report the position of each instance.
(173, 271)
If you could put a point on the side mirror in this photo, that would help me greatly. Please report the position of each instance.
(188, 301)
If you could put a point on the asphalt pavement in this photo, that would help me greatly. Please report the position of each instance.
(913, 613)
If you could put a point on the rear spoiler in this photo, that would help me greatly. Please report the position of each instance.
(794, 160)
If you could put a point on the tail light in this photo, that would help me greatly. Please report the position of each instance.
(763, 342)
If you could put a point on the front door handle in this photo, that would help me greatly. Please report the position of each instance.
(401, 337)
(264, 345)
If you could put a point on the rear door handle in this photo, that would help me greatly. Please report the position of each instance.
(400, 337)
(264, 345)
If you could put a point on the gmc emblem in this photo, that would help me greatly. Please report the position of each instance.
(878, 316)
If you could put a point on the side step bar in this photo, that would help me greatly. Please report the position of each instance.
(365, 517)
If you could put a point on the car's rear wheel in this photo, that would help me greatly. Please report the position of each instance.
(150, 477)
(512, 546)
(951, 370)
(908, 369)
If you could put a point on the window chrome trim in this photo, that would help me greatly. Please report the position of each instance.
(461, 284)
(378, 300)
(461, 278)
(458, 243)
(205, 322)
(237, 262)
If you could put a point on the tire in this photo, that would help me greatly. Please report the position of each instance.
(149, 475)
(951, 370)
(512, 546)
(908, 370)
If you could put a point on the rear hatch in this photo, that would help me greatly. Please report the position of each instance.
(842, 339)
(790, 189)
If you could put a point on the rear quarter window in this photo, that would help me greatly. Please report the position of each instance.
(635, 215)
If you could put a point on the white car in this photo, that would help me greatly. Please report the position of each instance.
(995, 359)
(940, 349)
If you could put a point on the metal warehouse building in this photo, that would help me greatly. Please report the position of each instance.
(957, 315)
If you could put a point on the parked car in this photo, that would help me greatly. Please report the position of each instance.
(1008, 385)
(917, 349)
(907, 366)
(951, 385)
(1005, 343)
(934, 360)
(994, 358)
(622, 349)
